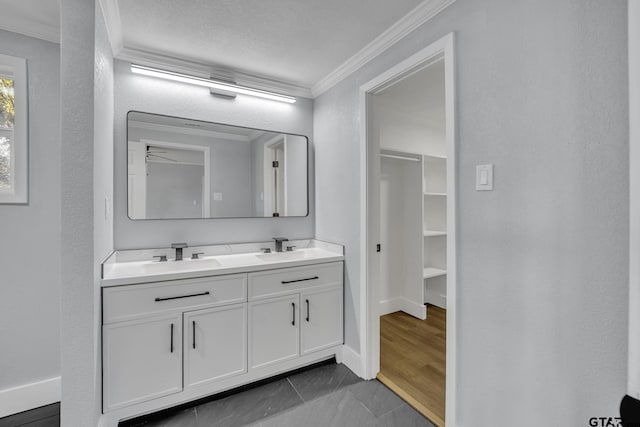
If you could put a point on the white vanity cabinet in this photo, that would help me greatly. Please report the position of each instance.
(294, 312)
(142, 360)
(143, 345)
(168, 342)
(274, 330)
(215, 344)
(321, 318)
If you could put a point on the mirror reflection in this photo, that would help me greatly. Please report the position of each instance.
(182, 168)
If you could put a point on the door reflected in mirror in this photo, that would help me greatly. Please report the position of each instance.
(183, 168)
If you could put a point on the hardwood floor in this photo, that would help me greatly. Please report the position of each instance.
(413, 359)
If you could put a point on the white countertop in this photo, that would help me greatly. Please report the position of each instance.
(139, 266)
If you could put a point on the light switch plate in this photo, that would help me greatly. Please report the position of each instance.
(484, 177)
(217, 196)
(107, 208)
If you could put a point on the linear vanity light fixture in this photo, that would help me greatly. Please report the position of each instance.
(212, 84)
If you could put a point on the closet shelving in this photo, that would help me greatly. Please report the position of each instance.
(434, 211)
(414, 231)
(430, 272)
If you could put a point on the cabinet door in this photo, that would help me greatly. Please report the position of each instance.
(273, 330)
(142, 360)
(215, 344)
(321, 319)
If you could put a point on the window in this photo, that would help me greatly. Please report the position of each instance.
(13, 130)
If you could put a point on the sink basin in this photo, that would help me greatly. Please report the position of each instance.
(202, 263)
(141, 268)
(290, 256)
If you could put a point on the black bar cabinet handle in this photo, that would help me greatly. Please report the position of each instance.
(293, 309)
(193, 324)
(284, 282)
(172, 338)
(307, 309)
(182, 296)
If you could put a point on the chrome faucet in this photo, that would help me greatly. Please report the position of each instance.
(179, 247)
(279, 241)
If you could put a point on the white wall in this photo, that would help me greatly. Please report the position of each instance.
(103, 190)
(174, 190)
(410, 115)
(399, 132)
(296, 167)
(257, 168)
(542, 281)
(392, 238)
(141, 93)
(86, 186)
(29, 234)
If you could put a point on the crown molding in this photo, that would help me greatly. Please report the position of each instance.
(169, 63)
(111, 12)
(418, 16)
(34, 29)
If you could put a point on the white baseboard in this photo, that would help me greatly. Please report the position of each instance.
(29, 396)
(390, 306)
(403, 304)
(438, 301)
(352, 360)
(414, 309)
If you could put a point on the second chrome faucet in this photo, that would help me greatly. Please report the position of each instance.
(179, 247)
(279, 241)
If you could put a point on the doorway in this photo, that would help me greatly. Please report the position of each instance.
(168, 180)
(408, 208)
(275, 176)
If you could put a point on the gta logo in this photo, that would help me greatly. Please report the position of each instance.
(605, 422)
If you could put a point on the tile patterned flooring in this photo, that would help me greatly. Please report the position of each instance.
(45, 416)
(325, 395)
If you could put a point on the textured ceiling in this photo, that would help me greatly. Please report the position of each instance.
(298, 42)
(294, 41)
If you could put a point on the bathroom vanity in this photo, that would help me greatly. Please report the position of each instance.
(224, 316)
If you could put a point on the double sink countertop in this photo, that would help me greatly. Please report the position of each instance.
(139, 266)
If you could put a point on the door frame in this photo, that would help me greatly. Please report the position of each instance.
(206, 181)
(633, 380)
(268, 189)
(369, 284)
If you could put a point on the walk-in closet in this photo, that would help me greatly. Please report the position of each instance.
(411, 129)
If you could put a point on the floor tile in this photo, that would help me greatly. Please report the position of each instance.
(33, 415)
(337, 409)
(186, 418)
(322, 380)
(52, 421)
(248, 406)
(404, 416)
(376, 397)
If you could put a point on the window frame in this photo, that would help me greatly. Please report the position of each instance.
(16, 69)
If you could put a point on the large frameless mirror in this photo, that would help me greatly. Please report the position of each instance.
(183, 168)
